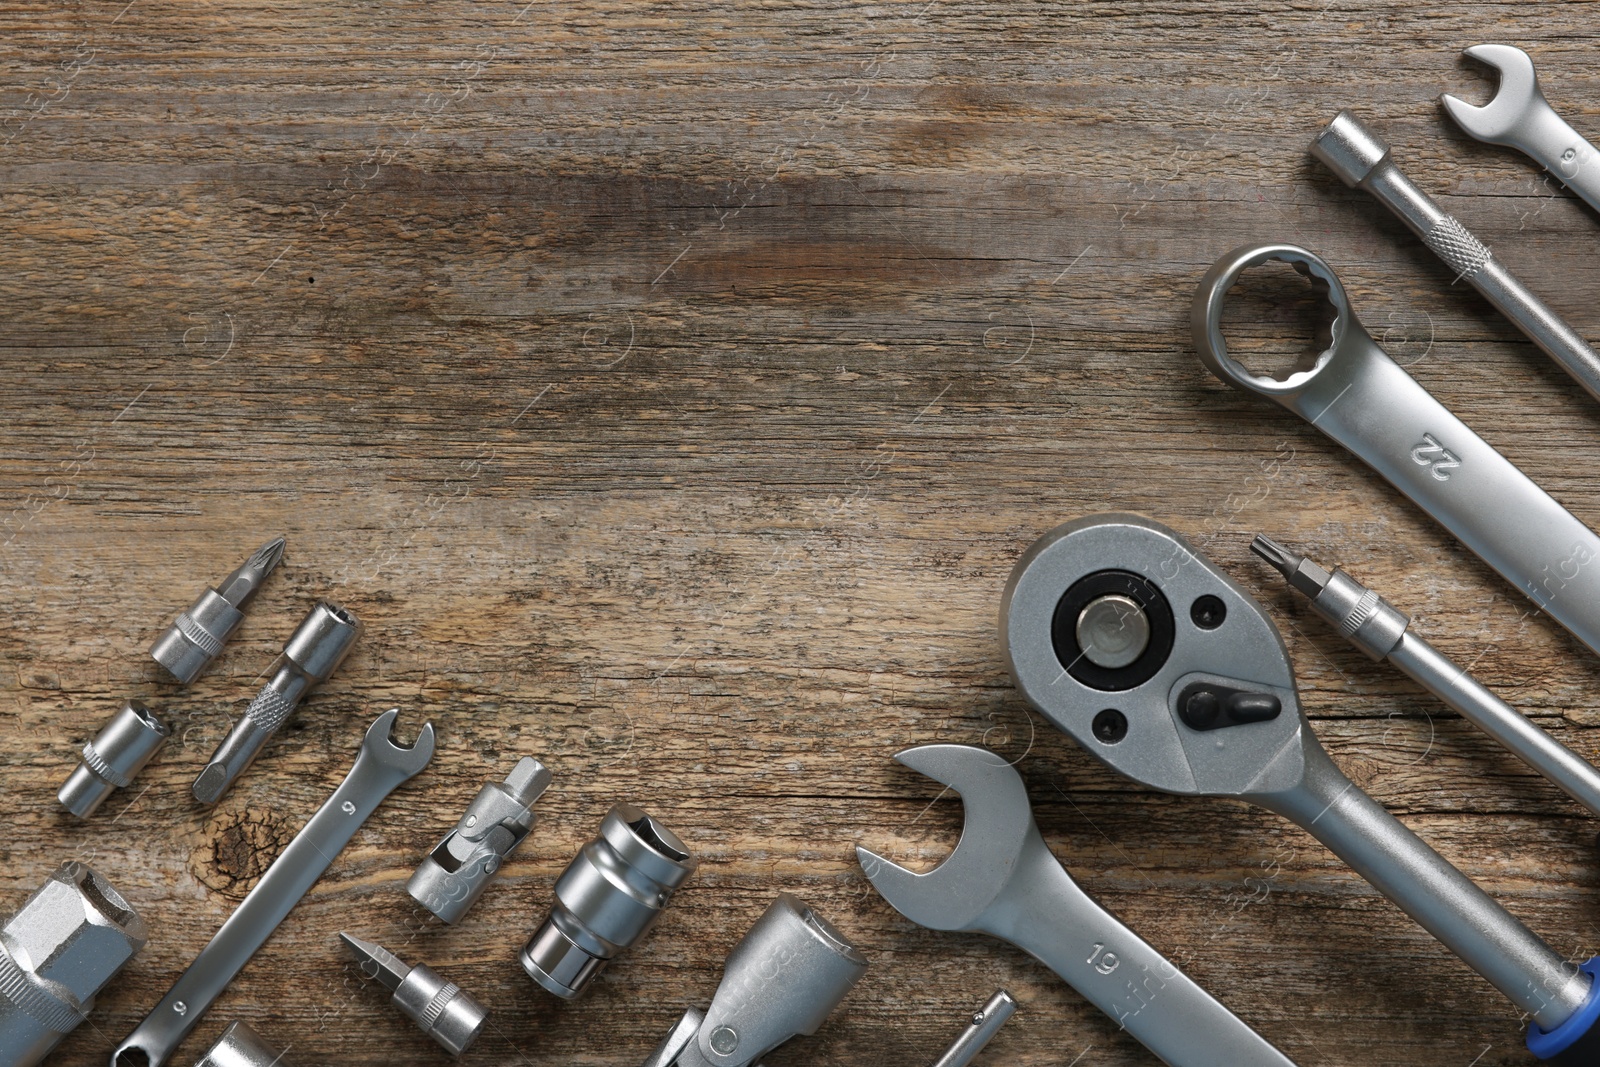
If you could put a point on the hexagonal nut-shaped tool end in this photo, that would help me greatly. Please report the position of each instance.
(76, 931)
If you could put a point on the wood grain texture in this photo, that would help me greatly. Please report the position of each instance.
(670, 388)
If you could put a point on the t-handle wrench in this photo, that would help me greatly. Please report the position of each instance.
(1002, 880)
(1187, 687)
(1520, 117)
(381, 766)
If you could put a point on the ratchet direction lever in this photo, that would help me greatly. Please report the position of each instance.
(1366, 402)
(381, 766)
(1147, 654)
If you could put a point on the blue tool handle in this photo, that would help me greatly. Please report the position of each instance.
(1576, 1042)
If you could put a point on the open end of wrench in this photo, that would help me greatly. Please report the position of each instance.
(1210, 298)
(1513, 102)
(381, 745)
(998, 821)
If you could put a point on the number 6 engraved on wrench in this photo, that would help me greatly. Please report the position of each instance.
(1365, 401)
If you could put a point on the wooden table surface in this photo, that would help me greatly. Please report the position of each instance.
(670, 388)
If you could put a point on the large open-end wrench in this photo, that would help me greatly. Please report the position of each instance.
(1159, 665)
(1365, 401)
(1520, 117)
(380, 767)
(1002, 880)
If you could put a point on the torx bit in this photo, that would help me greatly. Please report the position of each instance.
(314, 651)
(1383, 631)
(445, 1013)
(196, 636)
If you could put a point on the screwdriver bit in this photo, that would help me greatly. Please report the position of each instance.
(314, 651)
(445, 1013)
(196, 636)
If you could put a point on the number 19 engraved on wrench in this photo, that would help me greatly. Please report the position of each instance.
(1362, 399)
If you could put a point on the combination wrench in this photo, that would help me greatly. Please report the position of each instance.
(1520, 117)
(1364, 400)
(1361, 159)
(381, 766)
(1164, 669)
(1002, 880)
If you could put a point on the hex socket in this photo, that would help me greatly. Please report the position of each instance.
(241, 1046)
(113, 758)
(606, 900)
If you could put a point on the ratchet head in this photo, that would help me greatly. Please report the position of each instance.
(1200, 700)
(380, 745)
(1515, 103)
(999, 823)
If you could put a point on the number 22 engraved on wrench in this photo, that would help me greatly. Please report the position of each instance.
(1439, 460)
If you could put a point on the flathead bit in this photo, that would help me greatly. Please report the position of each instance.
(196, 636)
(1303, 574)
(377, 962)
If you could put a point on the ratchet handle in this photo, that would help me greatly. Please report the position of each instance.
(1425, 885)
(1576, 1042)
(1055, 921)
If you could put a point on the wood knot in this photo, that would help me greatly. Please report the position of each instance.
(239, 847)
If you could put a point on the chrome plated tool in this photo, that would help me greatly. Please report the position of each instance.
(1384, 632)
(1003, 881)
(58, 951)
(1520, 117)
(1361, 159)
(196, 636)
(113, 758)
(1209, 708)
(1362, 399)
(315, 649)
(782, 979)
(452, 877)
(240, 1046)
(981, 1028)
(607, 899)
(381, 766)
(440, 1008)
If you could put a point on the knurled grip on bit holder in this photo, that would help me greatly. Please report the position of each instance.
(314, 651)
(1361, 159)
(1365, 401)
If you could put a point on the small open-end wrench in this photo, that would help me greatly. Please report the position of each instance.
(381, 766)
(1365, 401)
(1361, 159)
(1002, 880)
(1520, 117)
(1163, 668)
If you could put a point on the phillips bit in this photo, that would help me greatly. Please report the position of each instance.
(196, 636)
(1384, 632)
(314, 651)
(440, 1008)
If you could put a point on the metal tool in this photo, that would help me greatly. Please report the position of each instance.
(240, 1046)
(1361, 160)
(607, 899)
(1003, 881)
(440, 1008)
(315, 649)
(113, 758)
(380, 767)
(1210, 709)
(981, 1028)
(784, 978)
(1520, 117)
(1383, 632)
(452, 877)
(1362, 399)
(196, 636)
(62, 946)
